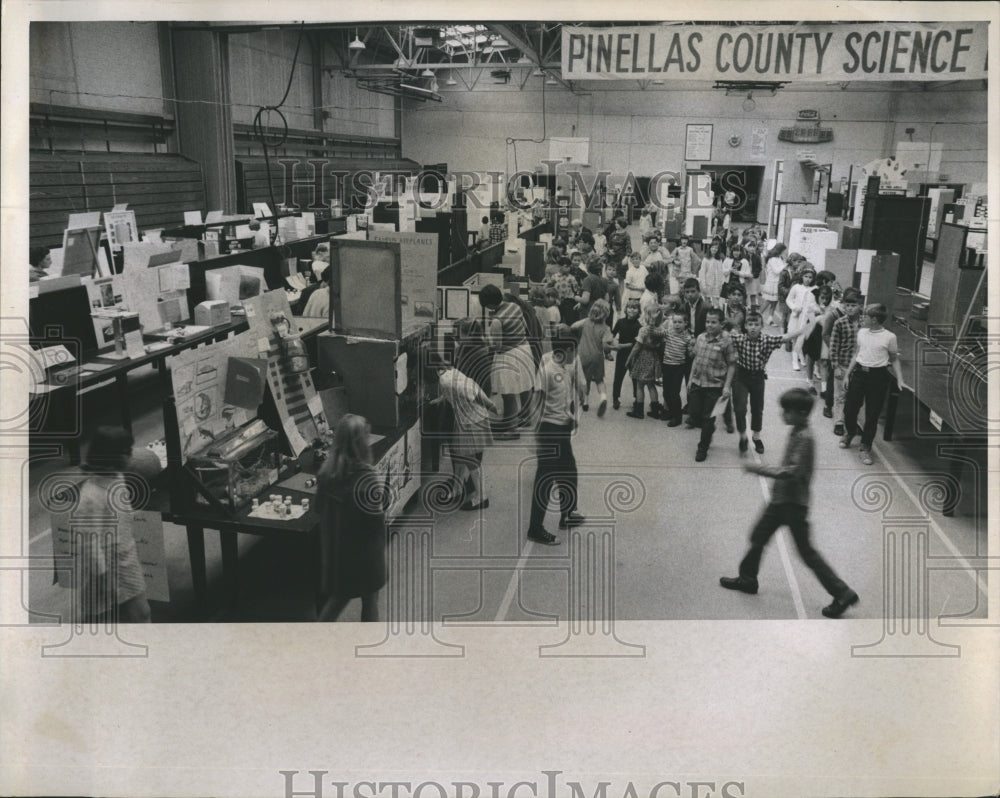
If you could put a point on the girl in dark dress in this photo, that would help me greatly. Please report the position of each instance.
(350, 497)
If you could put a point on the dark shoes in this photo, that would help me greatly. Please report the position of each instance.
(637, 411)
(615, 404)
(602, 408)
(674, 422)
(730, 428)
(573, 519)
(827, 412)
(543, 537)
(700, 455)
(744, 445)
(744, 584)
(839, 605)
(758, 446)
(838, 429)
(585, 407)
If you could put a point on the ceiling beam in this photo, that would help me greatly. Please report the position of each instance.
(527, 49)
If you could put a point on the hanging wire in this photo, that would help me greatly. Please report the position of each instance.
(260, 132)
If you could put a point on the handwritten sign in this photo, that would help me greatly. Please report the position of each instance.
(807, 52)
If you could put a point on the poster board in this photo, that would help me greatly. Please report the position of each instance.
(157, 293)
(146, 529)
(120, 228)
(417, 275)
(812, 239)
(198, 378)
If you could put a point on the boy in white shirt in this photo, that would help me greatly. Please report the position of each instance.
(869, 379)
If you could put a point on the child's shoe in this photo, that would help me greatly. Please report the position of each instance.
(845, 442)
(866, 455)
(655, 408)
(742, 583)
(585, 407)
(840, 604)
(615, 403)
(638, 411)
(700, 455)
(602, 407)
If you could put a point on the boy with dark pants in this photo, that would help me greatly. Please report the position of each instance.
(843, 340)
(675, 367)
(712, 368)
(560, 381)
(753, 349)
(869, 379)
(789, 507)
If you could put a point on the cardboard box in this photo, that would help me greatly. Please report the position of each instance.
(211, 312)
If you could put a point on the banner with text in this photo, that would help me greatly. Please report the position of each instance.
(807, 52)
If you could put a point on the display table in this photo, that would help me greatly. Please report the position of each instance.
(196, 518)
(62, 388)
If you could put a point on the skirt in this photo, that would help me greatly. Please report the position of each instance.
(644, 365)
(513, 370)
(470, 439)
(812, 346)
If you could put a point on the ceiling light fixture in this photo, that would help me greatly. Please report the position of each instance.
(426, 73)
(451, 81)
(357, 44)
(551, 81)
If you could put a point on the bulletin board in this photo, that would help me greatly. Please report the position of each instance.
(365, 283)
(418, 253)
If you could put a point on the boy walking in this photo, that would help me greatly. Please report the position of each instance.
(843, 340)
(789, 507)
(560, 381)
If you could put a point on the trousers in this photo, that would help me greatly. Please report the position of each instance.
(748, 385)
(867, 388)
(673, 377)
(556, 469)
(795, 517)
(701, 402)
(621, 369)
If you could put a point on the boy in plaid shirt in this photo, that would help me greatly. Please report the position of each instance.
(843, 340)
(753, 349)
(712, 369)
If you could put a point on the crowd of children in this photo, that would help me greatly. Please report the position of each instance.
(701, 328)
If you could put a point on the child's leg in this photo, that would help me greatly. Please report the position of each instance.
(798, 525)
(766, 526)
(135, 610)
(756, 387)
(620, 369)
(709, 397)
(369, 607)
(876, 389)
(839, 394)
(653, 396)
(740, 394)
(855, 397)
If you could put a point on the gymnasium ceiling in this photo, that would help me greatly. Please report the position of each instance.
(415, 60)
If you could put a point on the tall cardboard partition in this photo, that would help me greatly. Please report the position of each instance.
(958, 290)
(882, 279)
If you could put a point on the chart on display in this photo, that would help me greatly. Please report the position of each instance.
(299, 407)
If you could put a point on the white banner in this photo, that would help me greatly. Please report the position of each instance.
(808, 52)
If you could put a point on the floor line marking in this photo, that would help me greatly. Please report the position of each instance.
(515, 578)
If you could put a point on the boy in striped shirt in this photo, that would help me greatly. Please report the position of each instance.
(675, 349)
